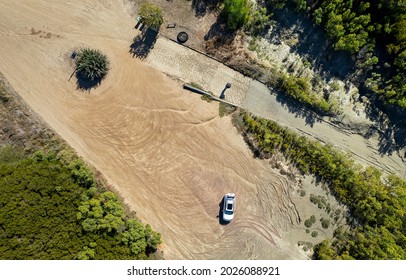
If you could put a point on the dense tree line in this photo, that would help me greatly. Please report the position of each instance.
(51, 208)
(377, 204)
(359, 26)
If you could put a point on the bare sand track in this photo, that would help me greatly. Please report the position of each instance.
(168, 153)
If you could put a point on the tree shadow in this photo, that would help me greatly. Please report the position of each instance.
(391, 135)
(399, 134)
(219, 35)
(299, 110)
(143, 43)
(202, 7)
(395, 130)
(392, 140)
(312, 43)
(84, 83)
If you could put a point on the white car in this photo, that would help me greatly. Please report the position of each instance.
(229, 207)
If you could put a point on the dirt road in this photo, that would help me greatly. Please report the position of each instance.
(166, 152)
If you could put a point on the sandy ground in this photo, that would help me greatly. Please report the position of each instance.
(168, 153)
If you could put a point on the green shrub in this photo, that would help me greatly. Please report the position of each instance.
(236, 13)
(257, 21)
(300, 89)
(226, 109)
(325, 223)
(308, 223)
(307, 63)
(335, 86)
(253, 45)
(307, 246)
(206, 98)
(92, 64)
(315, 233)
(81, 173)
(9, 154)
(313, 219)
(151, 15)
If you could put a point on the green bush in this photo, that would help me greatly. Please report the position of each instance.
(236, 13)
(300, 89)
(335, 86)
(315, 233)
(9, 154)
(92, 64)
(308, 223)
(252, 46)
(81, 173)
(206, 98)
(257, 21)
(313, 219)
(325, 223)
(151, 15)
(226, 109)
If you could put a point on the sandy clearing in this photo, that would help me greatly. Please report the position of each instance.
(168, 153)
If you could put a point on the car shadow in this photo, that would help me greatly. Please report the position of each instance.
(220, 215)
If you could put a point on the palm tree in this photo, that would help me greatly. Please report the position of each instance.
(92, 64)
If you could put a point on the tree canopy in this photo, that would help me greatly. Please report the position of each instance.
(49, 210)
(236, 13)
(92, 64)
(151, 15)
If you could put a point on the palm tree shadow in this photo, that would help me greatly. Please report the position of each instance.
(143, 43)
(84, 83)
